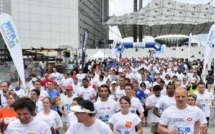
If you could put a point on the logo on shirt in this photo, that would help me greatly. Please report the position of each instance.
(133, 106)
(189, 119)
(178, 120)
(108, 108)
(128, 124)
(102, 108)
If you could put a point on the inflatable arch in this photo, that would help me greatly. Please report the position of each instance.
(118, 47)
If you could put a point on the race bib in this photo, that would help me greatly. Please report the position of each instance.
(104, 118)
(184, 130)
(122, 131)
(9, 119)
(203, 106)
(67, 107)
(160, 111)
(133, 111)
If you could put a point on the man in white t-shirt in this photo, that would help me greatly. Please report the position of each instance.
(151, 101)
(204, 100)
(86, 91)
(4, 90)
(120, 89)
(35, 93)
(56, 75)
(165, 101)
(105, 107)
(66, 80)
(67, 102)
(87, 123)
(136, 105)
(80, 76)
(180, 118)
(26, 123)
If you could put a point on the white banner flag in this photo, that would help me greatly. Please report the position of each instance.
(12, 41)
(189, 46)
(210, 42)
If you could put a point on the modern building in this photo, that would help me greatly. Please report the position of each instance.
(58, 23)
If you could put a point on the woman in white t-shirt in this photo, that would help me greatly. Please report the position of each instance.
(125, 122)
(191, 100)
(50, 116)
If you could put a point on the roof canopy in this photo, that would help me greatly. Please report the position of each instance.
(163, 17)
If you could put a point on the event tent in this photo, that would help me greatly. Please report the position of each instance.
(99, 55)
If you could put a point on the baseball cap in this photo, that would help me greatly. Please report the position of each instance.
(46, 74)
(113, 82)
(34, 79)
(69, 87)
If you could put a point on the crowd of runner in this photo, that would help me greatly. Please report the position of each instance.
(112, 96)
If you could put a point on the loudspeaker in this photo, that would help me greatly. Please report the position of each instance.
(67, 54)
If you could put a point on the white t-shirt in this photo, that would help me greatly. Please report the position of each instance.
(75, 88)
(36, 126)
(94, 81)
(53, 117)
(20, 93)
(202, 117)
(39, 106)
(66, 81)
(163, 91)
(80, 78)
(152, 101)
(70, 119)
(43, 94)
(147, 92)
(183, 119)
(66, 102)
(104, 110)
(56, 76)
(3, 100)
(87, 92)
(205, 102)
(119, 93)
(98, 127)
(136, 105)
(165, 102)
(124, 124)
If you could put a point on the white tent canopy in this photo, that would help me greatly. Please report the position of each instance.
(99, 55)
(164, 17)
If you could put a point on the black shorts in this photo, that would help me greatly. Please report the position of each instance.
(208, 119)
(145, 111)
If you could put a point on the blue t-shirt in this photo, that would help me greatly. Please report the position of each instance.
(53, 93)
(140, 94)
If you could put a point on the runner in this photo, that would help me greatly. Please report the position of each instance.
(105, 107)
(87, 123)
(25, 108)
(179, 118)
(124, 122)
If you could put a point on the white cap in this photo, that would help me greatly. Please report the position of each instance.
(81, 109)
(113, 82)
(34, 79)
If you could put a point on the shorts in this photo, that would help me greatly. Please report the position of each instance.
(208, 119)
(154, 127)
(145, 111)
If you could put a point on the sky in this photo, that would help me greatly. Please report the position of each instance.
(121, 7)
